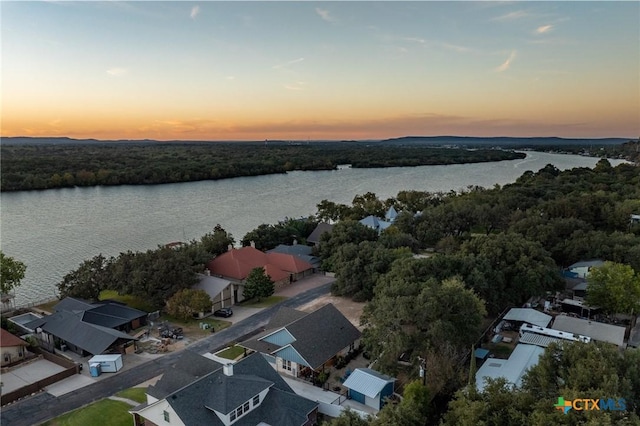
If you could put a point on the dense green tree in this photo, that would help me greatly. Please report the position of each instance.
(413, 409)
(517, 268)
(258, 285)
(367, 205)
(392, 238)
(358, 267)
(11, 273)
(573, 370)
(348, 231)
(416, 316)
(267, 237)
(87, 281)
(217, 242)
(614, 287)
(186, 302)
(348, 417)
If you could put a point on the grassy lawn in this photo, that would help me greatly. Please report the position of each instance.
(105, 412)
(192, 326)
(136, 394)
(264, 303)
(131, 301)
(231, 353)
(47, 307)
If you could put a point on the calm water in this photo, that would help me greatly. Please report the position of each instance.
(53, 231)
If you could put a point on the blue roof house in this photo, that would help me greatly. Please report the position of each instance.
(369, 387)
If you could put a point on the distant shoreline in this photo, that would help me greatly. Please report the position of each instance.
(50, 166)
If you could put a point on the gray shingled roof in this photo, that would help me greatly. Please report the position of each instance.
(299, 250)
(107, 314)
(281, 407)
(285, 316)
(189, 368)
(226, 393)
(319, 335)
(69, 327)
(72, 305)
(315, 236)
(322, 334)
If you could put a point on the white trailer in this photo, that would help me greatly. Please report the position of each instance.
(108, 363)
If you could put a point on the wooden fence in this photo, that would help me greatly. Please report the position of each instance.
(71, 368)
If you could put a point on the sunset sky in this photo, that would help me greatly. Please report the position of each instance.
(319, 70)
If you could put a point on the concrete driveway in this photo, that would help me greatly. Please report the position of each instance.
(30, 373)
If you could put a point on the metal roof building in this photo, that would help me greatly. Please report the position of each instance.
(522, 358)
(528, 315)
(596, 330)
(369, 387)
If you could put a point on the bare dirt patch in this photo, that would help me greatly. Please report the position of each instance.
(350, 309)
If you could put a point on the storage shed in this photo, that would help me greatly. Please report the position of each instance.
(108, 363)
(369, 387)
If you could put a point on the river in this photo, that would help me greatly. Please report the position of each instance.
(53, 231)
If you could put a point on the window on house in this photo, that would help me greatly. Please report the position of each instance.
(165, 414)
(246, 406)
(232, 416)
(256, 400)
(286, 364)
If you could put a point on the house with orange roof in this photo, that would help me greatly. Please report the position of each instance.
(236, 264)
(12, 348)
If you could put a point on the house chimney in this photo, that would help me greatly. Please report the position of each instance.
(253, 244)
(207, 272)
(295, 242)
(227, 369)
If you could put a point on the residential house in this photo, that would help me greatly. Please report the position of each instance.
(634, 219)
(373, 222)
(87, 328)
(369, 387)
(107, 313)
(315, 236)
(303, 344)
(301, 251)
(582, 269)
(236, 264)
(12, 348)
(391, 214)
(219, 290)
(246, 393)
(520, 361)
(576, 277)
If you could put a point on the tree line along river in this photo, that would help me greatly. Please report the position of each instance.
(53, 231)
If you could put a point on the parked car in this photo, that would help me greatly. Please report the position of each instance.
(224, 312)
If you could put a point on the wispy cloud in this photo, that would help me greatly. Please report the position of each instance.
(117, 71)
(195, 11)
(544, 29)
(506, 64)
(325, 15)
(286, 64)
(298, 85)
(511, 16)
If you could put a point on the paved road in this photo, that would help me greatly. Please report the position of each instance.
(42, 407)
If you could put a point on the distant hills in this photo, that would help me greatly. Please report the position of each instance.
(405, 140)
(501, 141)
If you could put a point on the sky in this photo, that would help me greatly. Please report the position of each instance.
(181, 70)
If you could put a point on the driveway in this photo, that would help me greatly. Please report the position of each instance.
(30, 373)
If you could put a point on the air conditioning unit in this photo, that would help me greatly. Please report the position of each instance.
(63, 348)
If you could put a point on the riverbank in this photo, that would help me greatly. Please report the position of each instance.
(53, 231)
